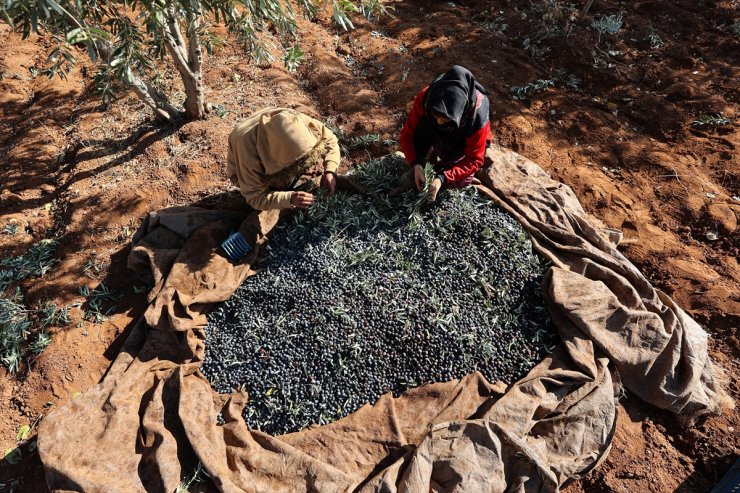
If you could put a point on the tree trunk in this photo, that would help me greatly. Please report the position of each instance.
(175, 44)
(195, 59)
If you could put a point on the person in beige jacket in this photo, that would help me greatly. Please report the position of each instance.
(271, 149)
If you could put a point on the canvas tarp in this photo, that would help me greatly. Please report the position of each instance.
(154, 414)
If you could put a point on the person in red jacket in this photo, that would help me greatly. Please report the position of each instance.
(449, 126)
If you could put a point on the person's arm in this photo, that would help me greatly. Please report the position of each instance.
(251, 182)
(475, 150)
(259, 196)
(333, 156)
(409, 128)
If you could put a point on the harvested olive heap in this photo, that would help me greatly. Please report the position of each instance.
(362, 295)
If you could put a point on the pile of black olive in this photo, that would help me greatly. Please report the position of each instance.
(365, 294)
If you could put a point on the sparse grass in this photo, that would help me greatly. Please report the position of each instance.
(293, 58)
(560, 77)
(49, 315)
(652, 37)
(16, 319)
(100, 302)
(706, 121)
(35, 263)
(14, 327)
(495, 25)
(10, 228)
(348, 144)
(551, 20)
(16, 323)
(522, 92)
(361, 141)
(93, 267)
(608, 24)
(567, 79)
(199, 475)
(379, 34)
(41, 342)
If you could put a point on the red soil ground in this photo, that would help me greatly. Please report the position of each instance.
(623, 140)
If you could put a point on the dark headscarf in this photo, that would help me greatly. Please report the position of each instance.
(453, 95)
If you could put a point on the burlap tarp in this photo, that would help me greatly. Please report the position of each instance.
(154, 414)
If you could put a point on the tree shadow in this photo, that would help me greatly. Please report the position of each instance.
(138, 142)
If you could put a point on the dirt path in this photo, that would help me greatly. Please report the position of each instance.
(621, 137)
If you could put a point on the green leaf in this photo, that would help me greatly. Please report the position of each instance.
(34, 21)
(96, 33)
(13, 456)
(91, 52)
(23, 432)
(77, 35)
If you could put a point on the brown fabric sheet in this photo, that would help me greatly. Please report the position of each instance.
(660, 352)
(154, 411)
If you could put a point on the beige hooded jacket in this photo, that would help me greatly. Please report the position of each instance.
(267, 149)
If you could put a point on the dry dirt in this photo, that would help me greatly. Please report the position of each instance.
(623, 140)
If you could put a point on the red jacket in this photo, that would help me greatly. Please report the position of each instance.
(475, 144)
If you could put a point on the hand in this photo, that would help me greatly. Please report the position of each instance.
(434, 189)
(329, 181)
(302, 200)
(419, 177)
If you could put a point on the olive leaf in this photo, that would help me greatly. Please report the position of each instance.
(23, 432)
(13, 456)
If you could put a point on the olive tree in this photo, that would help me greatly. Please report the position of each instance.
(125, 37)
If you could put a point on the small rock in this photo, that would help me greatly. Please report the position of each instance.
(724, 216)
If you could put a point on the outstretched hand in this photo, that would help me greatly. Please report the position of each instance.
(329, 181)
(434, 189)
(302, 200)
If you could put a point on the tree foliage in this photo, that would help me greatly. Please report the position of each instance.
(124, 38)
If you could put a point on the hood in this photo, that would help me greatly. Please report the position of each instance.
(283, 139)
(453, 94)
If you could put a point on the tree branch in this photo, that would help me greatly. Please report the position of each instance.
(151, 97)
(173, 29)
(175, 47)
(157, 101)
(189, 70)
